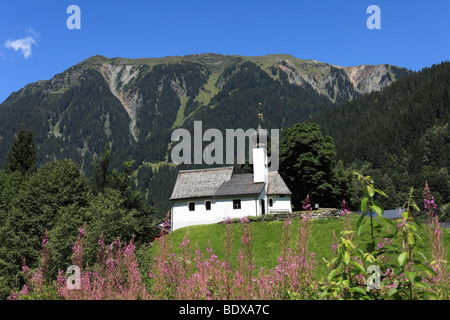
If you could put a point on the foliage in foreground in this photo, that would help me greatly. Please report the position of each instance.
(191, 275)
(391, 266)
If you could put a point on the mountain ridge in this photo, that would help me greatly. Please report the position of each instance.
(134, 104)
(188, 84)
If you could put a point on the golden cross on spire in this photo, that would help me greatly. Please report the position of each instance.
(259, 114)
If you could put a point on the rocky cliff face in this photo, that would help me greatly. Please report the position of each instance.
(117, 77)
(340, 84)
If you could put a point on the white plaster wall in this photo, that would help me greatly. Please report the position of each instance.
(220, 210)
(280, 204)
(260, 168)
(266, 204)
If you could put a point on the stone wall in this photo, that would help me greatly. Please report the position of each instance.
(320, 214)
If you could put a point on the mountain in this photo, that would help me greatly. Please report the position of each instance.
(135, 104)
(399, 135)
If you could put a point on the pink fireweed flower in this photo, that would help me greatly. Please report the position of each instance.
(307, 204)
(244, 220)
(344, 208)
(82, 232)
(227, 220)
(110, 264)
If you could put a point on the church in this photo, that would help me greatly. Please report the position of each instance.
(206, 196)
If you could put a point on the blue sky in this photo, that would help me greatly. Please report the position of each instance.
(35, 43)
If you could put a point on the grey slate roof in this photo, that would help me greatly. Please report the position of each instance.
(200, 183)
(277, 184)
(221, 182)
(240, 184)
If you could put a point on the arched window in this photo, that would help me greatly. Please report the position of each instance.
(270, 202)
(208, 205)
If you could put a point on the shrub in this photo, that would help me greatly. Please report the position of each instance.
(269, 217)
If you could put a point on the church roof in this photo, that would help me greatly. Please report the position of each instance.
(200, 183)
(240, 185)
(221, 182)
(277, 184)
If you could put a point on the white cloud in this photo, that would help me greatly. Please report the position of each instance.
(23, 44)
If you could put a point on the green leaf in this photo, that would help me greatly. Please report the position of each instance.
(391, 247)
(364, 203)
(363, 227)
(421, 255)
(323, 294)
(410, 275)
(359, 175)
(381, 192)
(361, 218)
(346, 258)
(377, 208)
(415, 207)
(411, 240)
(402, 258)
(371, 190)
(426, 268)
(429, 295)
(332, 274)
(392, 292)
(405, 214)
(335, 260)
(360, 267)
(358, 289)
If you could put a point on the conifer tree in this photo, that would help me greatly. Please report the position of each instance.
(22, 155)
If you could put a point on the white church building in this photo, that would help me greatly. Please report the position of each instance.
(208, 196)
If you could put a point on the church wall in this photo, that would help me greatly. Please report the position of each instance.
(280, 204)
(220, 210)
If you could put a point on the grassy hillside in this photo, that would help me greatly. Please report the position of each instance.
(266, 241)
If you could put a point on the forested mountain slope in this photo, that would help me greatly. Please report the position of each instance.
(401, 131)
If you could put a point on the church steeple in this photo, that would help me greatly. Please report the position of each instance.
(260, 135)
(260, 164)
(259, 115)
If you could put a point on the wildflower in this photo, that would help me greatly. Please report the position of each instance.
(82, 232)
(344, 208)
(307, 204)
(244, 220)
(110, 264)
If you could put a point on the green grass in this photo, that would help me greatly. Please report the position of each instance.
(209, 90)
(180, 114)
(266, 240)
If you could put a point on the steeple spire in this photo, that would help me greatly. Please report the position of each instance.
(260, 166)
(259, 115)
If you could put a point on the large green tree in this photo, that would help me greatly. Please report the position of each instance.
(308, 166)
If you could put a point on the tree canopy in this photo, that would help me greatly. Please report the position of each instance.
(307, 164)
